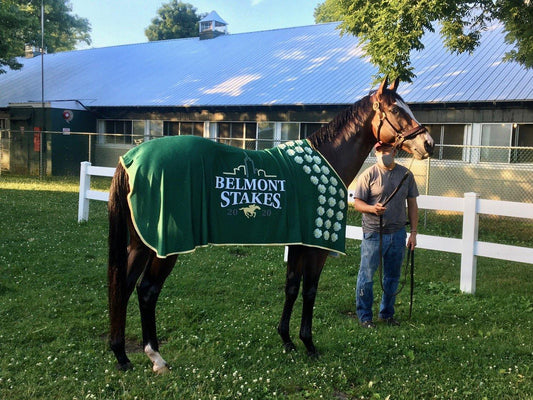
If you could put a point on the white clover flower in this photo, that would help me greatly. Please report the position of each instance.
(324, 179)
(327, 224)
(317, 159)
(334, 237)
(319, 222)
(322, 189)
(322, 199)
(326, 235)
(317, 232)
(330, 213)
(298, 159)
(320, 211)
(308, 158)
(333, 181)
(332, 202)
(325, 170)
(306, 169)
(316, 168)
(337, 226)
(339, 215)
(332, 190)
(341, 204)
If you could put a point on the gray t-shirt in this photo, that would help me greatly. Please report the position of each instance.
(375, 185)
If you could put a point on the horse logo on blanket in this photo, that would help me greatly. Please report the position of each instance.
(250, 210)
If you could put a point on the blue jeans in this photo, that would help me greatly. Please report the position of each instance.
(393, 253)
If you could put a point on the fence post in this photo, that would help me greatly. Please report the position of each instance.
(470, 236)
(85, 185)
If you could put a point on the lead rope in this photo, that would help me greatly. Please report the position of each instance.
(410, 253)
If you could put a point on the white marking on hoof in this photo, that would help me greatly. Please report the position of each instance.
(160, 366)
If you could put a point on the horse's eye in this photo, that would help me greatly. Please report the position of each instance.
(395, 110)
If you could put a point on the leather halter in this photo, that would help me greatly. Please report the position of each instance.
(401, 134)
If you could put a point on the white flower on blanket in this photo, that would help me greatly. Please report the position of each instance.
(322, 199)
(306, 169)
(319, 222)
(320, 211)
(314, 180)
(318, 233)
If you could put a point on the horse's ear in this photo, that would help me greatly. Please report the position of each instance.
(383, 86)
(395, 84)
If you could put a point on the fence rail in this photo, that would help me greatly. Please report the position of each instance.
(468, 245)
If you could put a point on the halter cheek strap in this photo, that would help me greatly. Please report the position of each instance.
(400, 136)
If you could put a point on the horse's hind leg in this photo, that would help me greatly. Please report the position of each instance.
(148, 292)
(137, 259)
(313, 264)
(292, 287)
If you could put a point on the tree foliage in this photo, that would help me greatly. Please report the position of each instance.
(175, 20)
(390, 29)
(20, 25)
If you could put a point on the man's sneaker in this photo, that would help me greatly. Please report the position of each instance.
(367, 324)
(390, 321)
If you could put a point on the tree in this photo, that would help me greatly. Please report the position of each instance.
(390, 29)
(20, 25)
(175, 20)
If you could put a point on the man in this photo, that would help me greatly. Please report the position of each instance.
(373, 189)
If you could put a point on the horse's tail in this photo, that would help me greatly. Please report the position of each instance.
(118, 212)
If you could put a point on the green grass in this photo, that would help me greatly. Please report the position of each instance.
(218, 312)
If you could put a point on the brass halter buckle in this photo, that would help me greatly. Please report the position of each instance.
(377, 108)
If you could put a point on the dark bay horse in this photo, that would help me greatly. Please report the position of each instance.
(345, 143)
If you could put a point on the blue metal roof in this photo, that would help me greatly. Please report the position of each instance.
(303, 65)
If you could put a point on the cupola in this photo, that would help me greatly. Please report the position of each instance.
(212, 26)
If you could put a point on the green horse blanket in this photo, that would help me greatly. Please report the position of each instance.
(187, 191)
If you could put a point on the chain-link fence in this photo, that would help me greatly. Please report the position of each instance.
(497, 173)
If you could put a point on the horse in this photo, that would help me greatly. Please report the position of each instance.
(345, 143)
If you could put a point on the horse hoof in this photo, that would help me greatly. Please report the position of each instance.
(161, 370)
(124, 367)
(313, 355)
(288, 347)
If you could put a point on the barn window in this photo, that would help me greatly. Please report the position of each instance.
(238, 134)
(174, 128)
(449, 141)
(123, 131)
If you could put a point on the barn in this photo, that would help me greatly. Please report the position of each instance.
(255, 90)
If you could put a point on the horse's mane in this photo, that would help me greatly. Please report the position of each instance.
(347, 122)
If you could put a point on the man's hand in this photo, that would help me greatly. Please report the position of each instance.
(411, 242)
(379, 209)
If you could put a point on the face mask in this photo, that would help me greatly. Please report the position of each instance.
(385, 160)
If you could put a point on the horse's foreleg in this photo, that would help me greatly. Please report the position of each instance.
(311, 275)
(292, 287)
(120, 290)
(148, 292)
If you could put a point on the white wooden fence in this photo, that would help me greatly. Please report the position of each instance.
(468, 245)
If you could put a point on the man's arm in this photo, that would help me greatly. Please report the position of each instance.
(364, 207)
(412, 214)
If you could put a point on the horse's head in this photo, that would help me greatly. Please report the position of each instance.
(394, 122)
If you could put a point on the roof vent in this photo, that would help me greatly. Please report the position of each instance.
(212, 26)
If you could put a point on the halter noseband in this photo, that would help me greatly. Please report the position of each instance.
(401, 134)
